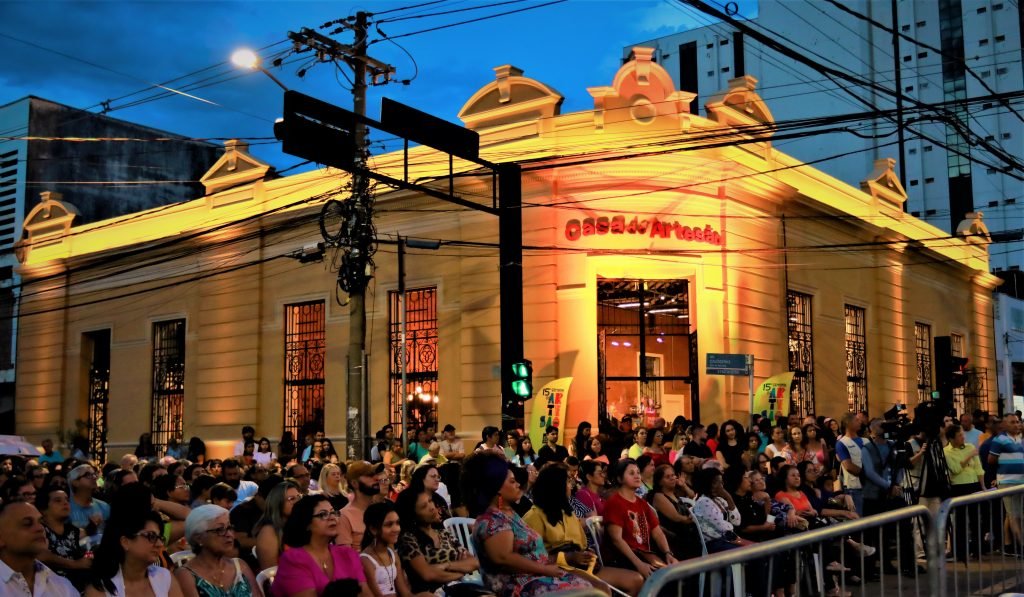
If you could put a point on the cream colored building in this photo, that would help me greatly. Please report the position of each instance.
(645, 227)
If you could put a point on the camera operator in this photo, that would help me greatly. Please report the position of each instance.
(850, 455)
(883, 492)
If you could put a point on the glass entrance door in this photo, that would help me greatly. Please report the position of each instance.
(646, 350)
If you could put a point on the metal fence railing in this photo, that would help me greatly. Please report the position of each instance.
(811, 562)
(975, 546)
(966, 554)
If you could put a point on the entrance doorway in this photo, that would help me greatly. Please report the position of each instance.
(646, 350)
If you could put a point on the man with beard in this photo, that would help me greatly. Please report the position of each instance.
(364, 480)
(22, 540)
(233, 477)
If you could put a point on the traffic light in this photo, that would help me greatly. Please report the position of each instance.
(950, 371)
(522, 379)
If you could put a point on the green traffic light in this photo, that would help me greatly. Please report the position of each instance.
(521, 388)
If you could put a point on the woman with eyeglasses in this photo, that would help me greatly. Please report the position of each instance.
(127, 561)
(595, 475)
(427, 478)
(213, 572)
(18, 489)
(172, 488)
(65, 554)
(312, 562)
(269, 529)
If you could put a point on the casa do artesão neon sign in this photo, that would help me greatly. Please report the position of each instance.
(576, 229)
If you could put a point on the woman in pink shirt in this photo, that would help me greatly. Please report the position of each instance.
(311, 562)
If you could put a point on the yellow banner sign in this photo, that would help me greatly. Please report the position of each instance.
(772, 396)
(547, 408)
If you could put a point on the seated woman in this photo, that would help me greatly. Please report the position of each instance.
(385, 576)
(312, 562)
(553, 519)
(127, 561)
(433, 557)
(209, 533)
(716, 512)
(65, 556)
(269, 529)
(426, 477)
(512, 555)
(673, 513)
(632, 530)
(330, 485)
(594, 474)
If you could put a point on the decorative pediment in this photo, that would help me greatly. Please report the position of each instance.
(884, 185)
(642, 92)
(47, 223)
(974, 229)
(740, 106)
(235, 167)
(510, 99)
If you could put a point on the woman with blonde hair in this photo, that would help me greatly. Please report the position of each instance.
(330, 485)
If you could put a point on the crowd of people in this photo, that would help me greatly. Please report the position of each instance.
(174, 522)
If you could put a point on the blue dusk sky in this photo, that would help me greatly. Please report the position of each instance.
(85, 53)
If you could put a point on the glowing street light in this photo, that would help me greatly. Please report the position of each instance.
(250, 60)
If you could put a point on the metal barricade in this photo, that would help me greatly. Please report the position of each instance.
(971, 531)
(810, 553)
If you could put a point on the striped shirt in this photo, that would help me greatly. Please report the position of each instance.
(1010, 452)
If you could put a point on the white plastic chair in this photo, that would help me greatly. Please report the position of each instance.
(736, 569)
(181, 558)
(462, 528)
(266, 578)
(595, 527)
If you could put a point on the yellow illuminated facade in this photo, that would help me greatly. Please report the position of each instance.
(654, 237)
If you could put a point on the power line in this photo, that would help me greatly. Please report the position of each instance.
(448, 12)
(476, 20)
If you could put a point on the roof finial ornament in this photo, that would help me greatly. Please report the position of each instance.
(503, 73)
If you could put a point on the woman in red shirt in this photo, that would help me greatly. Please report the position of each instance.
(631, 525)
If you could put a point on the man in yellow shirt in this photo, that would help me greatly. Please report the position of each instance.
(967, 476)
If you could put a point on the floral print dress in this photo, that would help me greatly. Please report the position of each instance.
(525, 542)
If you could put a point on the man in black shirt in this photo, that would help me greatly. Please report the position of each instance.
(697, 447)
(551, 451)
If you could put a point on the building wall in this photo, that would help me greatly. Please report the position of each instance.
(838, 243)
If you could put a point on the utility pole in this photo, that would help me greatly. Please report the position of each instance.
(356, 264)
(900, 140)
(357, 297)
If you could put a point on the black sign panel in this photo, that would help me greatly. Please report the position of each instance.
(315, 130)
(410, 123)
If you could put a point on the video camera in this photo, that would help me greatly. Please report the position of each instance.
(897, 426)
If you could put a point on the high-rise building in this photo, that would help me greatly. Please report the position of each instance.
(108, 167)
(965, 52)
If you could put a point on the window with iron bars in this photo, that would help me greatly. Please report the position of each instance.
(923, 353)
(305, 344)
(856, 359)
(420, 392)
(956, 342)
(801, 350)
(168, 400)
(96, 350)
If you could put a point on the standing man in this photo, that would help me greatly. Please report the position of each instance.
(451, 446)
(22, 540)
(1007, 453)
(364, 480)
(971, 433)
(551, 451)
(697, 446)
(49, 455)
(247, 434)
(848, 451)
(883, 492)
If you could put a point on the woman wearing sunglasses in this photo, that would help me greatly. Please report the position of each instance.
(312, 562)
(214, 572)
(127, 559)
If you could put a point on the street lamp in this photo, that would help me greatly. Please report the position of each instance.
(250, 60)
